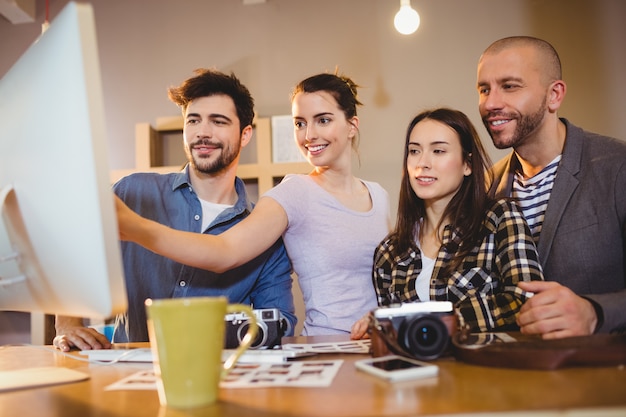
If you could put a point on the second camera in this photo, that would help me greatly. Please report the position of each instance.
(271, 328)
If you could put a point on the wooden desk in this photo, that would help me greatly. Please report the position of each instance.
(459, 389)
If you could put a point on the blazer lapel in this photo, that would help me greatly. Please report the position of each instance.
(564, 186)
(503, 175)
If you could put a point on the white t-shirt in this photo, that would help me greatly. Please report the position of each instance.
(331, 249)
(422, 282)
(210, 211)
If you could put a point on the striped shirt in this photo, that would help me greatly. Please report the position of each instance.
(532, 195)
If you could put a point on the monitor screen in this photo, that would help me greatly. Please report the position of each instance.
(59, 247)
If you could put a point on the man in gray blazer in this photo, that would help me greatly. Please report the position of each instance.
(571, 185)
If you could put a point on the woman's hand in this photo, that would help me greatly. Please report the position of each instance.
(127, 220)
(359, 329)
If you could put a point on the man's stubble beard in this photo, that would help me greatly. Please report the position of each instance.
(526, 125)
(223, 162)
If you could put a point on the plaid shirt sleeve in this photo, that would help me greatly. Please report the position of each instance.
(484, 288)
(382, 272)
(394, 276)
(517, 260)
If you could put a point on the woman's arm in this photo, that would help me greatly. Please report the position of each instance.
(517, 260)
(381, 273)
(218, 253)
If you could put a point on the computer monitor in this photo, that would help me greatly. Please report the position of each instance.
(59, 247)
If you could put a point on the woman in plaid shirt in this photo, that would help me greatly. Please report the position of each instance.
(452, 242)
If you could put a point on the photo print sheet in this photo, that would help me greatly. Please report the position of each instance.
(352, 346)
(252, 375)
(288, 374)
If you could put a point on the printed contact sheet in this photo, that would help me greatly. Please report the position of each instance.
(352, 346)
(252, 375)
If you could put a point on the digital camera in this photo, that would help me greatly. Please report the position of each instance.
(421, 330)
(271, 328)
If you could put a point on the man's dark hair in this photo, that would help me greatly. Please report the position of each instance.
(210, 82)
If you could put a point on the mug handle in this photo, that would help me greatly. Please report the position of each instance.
(247, 340)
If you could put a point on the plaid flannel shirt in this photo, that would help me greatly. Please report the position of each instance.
(483, 288)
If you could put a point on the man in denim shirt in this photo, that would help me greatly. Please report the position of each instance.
(206, 197)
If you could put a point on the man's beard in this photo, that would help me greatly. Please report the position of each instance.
(208, 166)
(526, 124)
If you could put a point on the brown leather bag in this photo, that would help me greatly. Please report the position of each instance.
(532, 352)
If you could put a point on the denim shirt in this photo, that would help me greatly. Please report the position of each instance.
(264, 282)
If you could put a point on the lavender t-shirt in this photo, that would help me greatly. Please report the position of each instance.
(331, 249)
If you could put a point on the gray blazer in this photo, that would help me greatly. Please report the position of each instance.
(583, 240)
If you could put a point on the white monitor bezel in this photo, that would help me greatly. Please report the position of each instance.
(58, 212)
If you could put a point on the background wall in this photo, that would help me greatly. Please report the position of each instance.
(147, 45)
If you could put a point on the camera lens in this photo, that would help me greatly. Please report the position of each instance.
(424, 336)
(261, 335)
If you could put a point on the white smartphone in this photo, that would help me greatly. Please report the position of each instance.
(397, 368)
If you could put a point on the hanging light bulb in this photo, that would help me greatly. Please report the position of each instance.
(407, 20)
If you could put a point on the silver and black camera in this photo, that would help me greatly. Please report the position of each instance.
(421, 330)
(271, 328)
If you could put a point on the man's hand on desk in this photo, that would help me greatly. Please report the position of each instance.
(72, 333)
(555, 311)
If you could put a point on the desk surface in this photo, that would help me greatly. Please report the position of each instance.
(459, 389)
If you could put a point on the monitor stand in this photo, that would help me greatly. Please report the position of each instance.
(7, 252)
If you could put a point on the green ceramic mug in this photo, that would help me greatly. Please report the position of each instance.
(187, 339)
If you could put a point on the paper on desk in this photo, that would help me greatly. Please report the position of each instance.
(289, 374)
(37, 377)
(352, 346)
(251, 375)
(142, 380)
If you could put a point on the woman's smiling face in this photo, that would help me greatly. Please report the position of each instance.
(322, 132)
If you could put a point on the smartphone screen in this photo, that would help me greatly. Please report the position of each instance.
(395, 364)
(397, 368)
